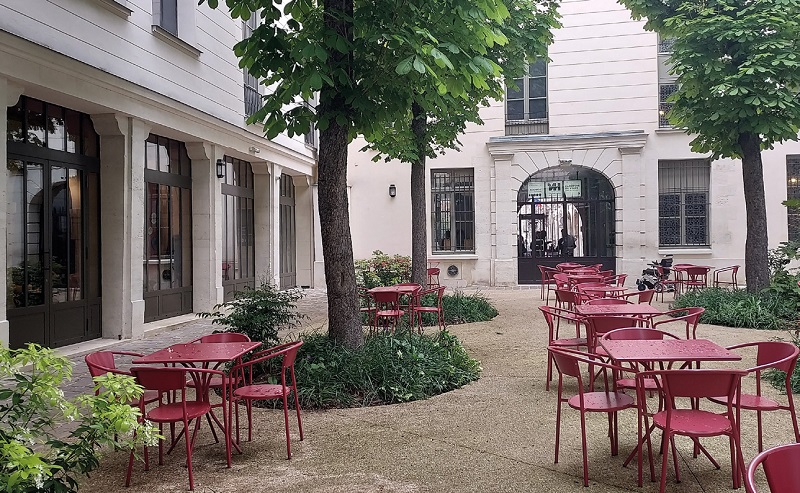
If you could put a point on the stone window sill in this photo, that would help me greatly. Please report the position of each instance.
(685, 251)
(116, 7)
(175, 41)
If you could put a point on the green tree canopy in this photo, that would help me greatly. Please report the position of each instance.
(738, 75)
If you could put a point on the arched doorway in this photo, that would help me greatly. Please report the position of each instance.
(564, 213)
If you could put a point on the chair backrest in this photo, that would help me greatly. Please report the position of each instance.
(696, 270)
(100, 363)
(553, 314)
(433, 271)
(290, 354)
(780, 467)
(386, 297)
(646, 296)
(637, 334)
(409, 284)
(561, 279)
(225, 337)
(690, 319)
(570, 298)
(699, 383)
(599, 325)
(162, 379)
(547, 272)
(780, 355)
(609, 301)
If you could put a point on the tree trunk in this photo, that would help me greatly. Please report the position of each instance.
(344, 323)
(419, 226)
(755, 249)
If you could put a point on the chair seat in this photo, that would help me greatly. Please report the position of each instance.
(752, 402)
(390, 313)
(630, 383)
(262, 391)
(173, 411)
(602, 401)
(694, 422)
(575, 341)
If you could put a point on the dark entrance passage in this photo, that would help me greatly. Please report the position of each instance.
(53, 226)
(565, 213)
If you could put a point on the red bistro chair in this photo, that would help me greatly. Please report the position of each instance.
(691, 422)
(419, 309)
(547, 281)
(718, 282)
(387, 309)
(675, 283)
(696, 277)
(568, 362)
(253, 391)
(690, 319)
(560, 280)
(553, 317)
(102, 362)
(643, 296)
(168, 381)
(618, 280)
(780, 467)
(433, 277)
(567, 299)
(366, 306)
(412, 298)
(781, 356)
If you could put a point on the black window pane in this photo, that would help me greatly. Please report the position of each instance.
(516, 93)
(669, 231)
(669, 205)
(538, 108)
(537, 87)
(91, 142)
(36, 124)
(16, 119)
(538, 68)
(516, 110)
(73, 126)
(56, 139)
(696, 231)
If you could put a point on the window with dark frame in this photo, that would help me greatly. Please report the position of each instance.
(793, 192)
(526, 104)
(664, 106)
(252, 98)
(453, 210)
(683, 202)
(168, 18)
(238, 221)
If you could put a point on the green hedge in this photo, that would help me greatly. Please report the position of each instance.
(739, 308)
(388, 369)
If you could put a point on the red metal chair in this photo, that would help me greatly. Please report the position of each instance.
(781, 356)
(366, 306)
(408, 308)
(419, 309)
(644, 296)
(692, 422)
(638, 334)
(553, 317)
(433, 277)
(561, 281)
(567, 299)
(618, 280)
(690, 319)
(387, 309)
(168, 381)
(254, 391)
(568, 362)
(734, 270)
(102, 362)
(674, 283)
(547, 281)
(608, 301)
(780, 467)
(696, 277)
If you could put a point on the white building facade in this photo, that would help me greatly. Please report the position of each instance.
(134, 192)
(581, 146)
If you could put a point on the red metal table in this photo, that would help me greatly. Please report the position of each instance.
(640, 309)
(667, 350)
(392, 289)
(204, 354)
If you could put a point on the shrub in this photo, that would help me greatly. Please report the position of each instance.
(460, 308)
(387, 369)
(260, 313)
(739, 308)
(382, 270)
(32, 455)
(776, 378)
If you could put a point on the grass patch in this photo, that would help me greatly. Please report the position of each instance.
(387, 369)
(739, 308)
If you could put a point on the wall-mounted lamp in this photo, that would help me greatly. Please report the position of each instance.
(220, 168)
(254, 149)
(392, 190)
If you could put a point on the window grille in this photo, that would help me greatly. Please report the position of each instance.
(252, 98)
(683, 202)
(793, 192)
(526, 105)
(665, 44)
(664, 106)
(453, 210)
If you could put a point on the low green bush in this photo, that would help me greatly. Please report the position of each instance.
(387, 369)
(458, 308)
(739, 308)
(259, 312)
(777, 378)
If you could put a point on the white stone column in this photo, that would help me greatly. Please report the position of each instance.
(262, 219)
(319, 258)
(304, 223)
(9, 94)
(122, 198)
(503, 222)
(206, 226)
(275, 233)
(631, 213)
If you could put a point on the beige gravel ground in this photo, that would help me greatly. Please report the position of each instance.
(494, 435)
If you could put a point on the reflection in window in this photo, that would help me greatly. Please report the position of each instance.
(793, 192)
(47, 125)
(238, 223)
